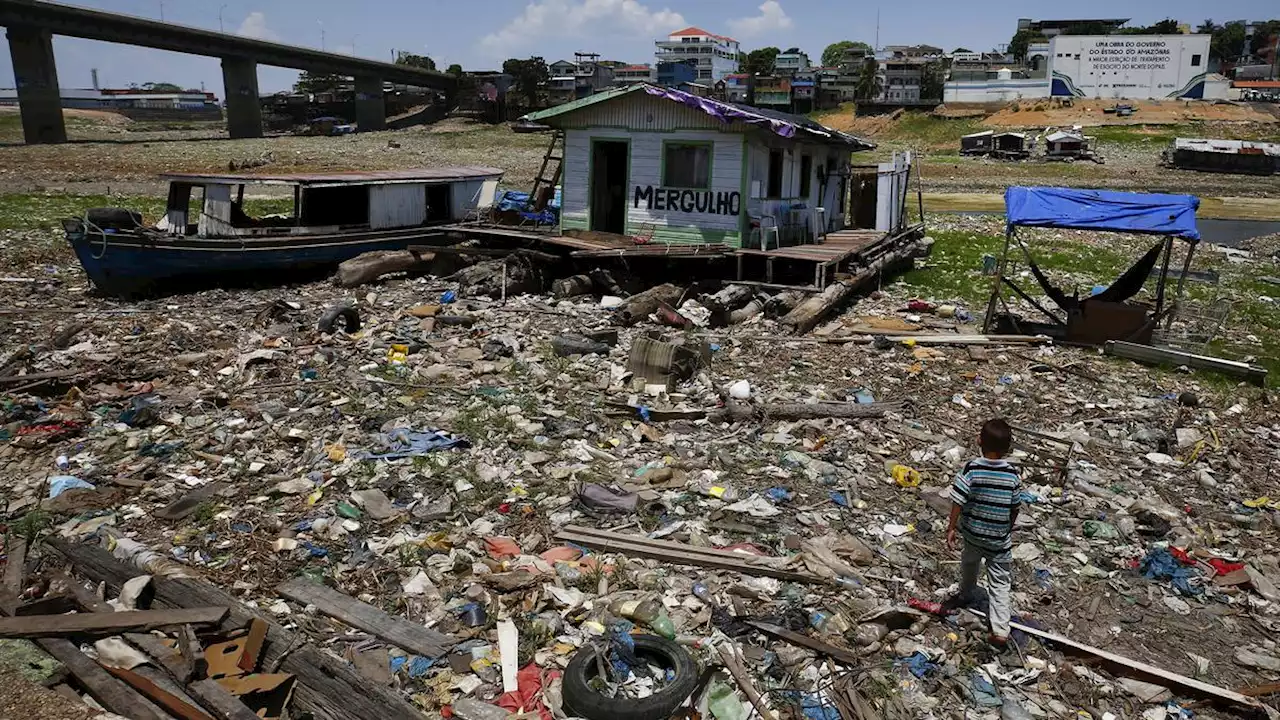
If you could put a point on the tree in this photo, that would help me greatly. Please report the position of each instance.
(1168, 26)
(412, 60)
(761, 62)
(932, 78)
(1227, 42)
(1206, 28)
(1021, 39)
(454, 70)
(530, 76)
(835, 51)
(309, 82)
(869, 85)
(960, 50)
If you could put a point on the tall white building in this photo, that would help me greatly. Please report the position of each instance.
(717, 55)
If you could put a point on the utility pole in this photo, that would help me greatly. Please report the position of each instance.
(161, 10)
(220, 27)
(876, 49)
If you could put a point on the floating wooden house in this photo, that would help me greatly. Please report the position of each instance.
(674, 168)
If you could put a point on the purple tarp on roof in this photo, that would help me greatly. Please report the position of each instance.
(721, 111)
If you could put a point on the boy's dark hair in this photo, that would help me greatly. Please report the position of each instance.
(996, 437)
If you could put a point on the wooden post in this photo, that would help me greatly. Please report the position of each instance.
(1177, 298)
(995, 287)
(1164, 274)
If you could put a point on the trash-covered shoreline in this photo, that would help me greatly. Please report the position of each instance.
(444, 506)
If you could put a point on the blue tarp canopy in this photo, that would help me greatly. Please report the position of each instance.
(1103, 210)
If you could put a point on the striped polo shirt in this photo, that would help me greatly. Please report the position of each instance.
(987, 491)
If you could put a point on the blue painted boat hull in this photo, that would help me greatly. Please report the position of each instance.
(128, 263)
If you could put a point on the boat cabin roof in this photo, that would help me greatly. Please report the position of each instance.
(433, 175)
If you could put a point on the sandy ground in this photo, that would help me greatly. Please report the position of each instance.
(22, 699)
(1089, 113)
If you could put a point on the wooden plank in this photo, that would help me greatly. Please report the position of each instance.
(1255, 374)
(1189, 685)
(328, 687)
(844, 656)
(402, 633)
(169, 702)
(605, 544)
(104, 624)
(190, 502)
(111, 693)
(218, 701)
(15, 569)
(167, 657)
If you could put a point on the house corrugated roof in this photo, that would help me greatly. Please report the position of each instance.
(783, 124)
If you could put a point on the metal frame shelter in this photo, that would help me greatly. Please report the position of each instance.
(1104, 315)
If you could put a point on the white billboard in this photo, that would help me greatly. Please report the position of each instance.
(1129, 66)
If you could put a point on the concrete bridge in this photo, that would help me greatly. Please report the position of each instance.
(32, 24)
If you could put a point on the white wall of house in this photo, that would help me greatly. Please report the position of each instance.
(647, 198)
(779, 209)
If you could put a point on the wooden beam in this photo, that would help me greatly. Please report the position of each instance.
(328, 687)
(845, 656)
(14, 570)
(111, 693)
(103, 624)
(1255, 374)
(680, 554)
(221, 703)
(173, 704)
(407, 635)
(1189, 685)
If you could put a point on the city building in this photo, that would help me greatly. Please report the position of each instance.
(913, 51)
(1131, 67)
(561, 68)
(716, 55)
(587, 75)
(628, 74)
(134, 102)
(790, 63)
(671, 74)
(902, 77)
(735, 87)
(1051, 28)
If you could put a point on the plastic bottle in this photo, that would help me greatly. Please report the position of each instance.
(828, 622)
(711, 487)
(646, 612)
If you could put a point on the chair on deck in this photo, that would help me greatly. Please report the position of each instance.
(483, 203)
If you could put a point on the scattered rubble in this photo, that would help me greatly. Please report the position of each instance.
(438, 496)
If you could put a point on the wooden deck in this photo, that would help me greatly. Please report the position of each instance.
(836, 250)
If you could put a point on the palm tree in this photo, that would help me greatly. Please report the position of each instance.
(870, 85)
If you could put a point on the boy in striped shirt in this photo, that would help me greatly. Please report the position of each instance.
(984, 507)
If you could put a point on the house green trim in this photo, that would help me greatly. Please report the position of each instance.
(583, 102)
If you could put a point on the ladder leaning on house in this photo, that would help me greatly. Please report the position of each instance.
(544, 187)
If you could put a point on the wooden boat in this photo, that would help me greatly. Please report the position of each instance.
(206, 232)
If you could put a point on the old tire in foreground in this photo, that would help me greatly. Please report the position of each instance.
(580, 699)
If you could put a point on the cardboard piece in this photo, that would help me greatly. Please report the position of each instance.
(266, 694)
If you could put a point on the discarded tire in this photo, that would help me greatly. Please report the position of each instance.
(580, 699)
(114, 218)
(345, 313)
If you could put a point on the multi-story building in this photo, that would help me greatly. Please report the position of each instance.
(735, 88)
(902, 77)
(913, 51)
(791, 63)
(716, 55)
(671, 74)
(587, 75)
(631, 74)
(1050, 28)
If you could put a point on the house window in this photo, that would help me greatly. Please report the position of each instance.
(774, 189)
(686, 165)
(806, 172)
(1195, 60)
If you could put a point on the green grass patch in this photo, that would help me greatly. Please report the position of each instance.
(920, 129)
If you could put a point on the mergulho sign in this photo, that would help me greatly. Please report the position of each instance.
(707, 202)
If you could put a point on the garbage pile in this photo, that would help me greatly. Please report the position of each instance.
(449, 504)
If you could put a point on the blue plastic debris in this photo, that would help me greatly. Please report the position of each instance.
(815, 709)
(643, 412)
(1160, 564)
(838, 498)
(303, 525)
(863, 396)
(315, 550)
(779, 494)
(983, 692)
(404, 442)
(448, 297)
(242, 527)
(918, 663)
(59, 484)
(417, 665)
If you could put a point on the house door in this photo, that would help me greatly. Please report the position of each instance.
(608, 201)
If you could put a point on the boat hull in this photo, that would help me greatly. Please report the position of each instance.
(127, 263)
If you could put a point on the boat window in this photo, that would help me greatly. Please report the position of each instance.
(686, 165)
(340, 205)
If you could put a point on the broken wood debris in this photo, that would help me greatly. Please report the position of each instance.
(399, 632)
(741, 412)
(845, 656)
(102, 624)
(679, 553)
(1148, 354)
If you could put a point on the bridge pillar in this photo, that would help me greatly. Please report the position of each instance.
(371, 107)
(244, 107)
(36, 77)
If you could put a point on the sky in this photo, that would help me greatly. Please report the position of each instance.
(480, 34)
